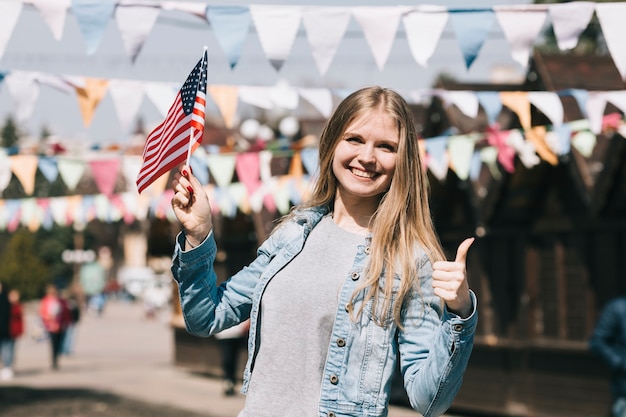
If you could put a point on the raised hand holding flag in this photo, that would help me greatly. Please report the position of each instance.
(173, 141)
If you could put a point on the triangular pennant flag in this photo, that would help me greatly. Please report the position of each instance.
(437, 160)
(549, 104)
(276, 28)
(295, 166)
(584, 142)
(30, 216)
(90, 96)
(379, 25)
(230, 25)
(24, 92)
(320, 98)
(256, 96)
(518, 102)
(71, 171)
(197, 162)
(472, 30)
(281, 195)
(92, 17)
(498, 139)
(25, 168)
(569, 20)
(525, 149)
(44, 205)
(222, 168)
(310, 160)
(521, 26)
(193, 8)
(53, 13)
(55, 81)
(491, 104)
(226, 99)
(58, 209)
(465, 101)
(131, 164)
(461, 150)
(423, 31)
(248, 170)
(48, 167)
(537, 136)
(161, 95)
(135, 23)
(127, 96)
(611, 17)
(105, 174)
(325, 28)
(265, 165)
(9, 15)
(596, 104)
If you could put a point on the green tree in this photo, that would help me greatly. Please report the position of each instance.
(10, 133)
(21, 267)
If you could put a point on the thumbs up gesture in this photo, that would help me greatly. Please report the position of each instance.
(450, 281)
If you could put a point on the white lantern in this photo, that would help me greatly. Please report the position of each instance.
(265, 133)
(289, 126)
(249, 129)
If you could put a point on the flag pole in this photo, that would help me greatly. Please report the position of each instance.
(189, 149)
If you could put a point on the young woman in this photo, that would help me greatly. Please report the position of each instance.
(347, 285)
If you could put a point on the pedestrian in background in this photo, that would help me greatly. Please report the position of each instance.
(73, 304)
(55, 317)
(5, 340)
(350, 286)
(608, 341)
(16, 329)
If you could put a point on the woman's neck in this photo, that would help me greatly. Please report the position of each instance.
(354, 218)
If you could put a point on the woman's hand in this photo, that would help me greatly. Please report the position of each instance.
(450, 281)
(191, 206)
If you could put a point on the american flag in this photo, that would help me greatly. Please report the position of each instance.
(168, 145)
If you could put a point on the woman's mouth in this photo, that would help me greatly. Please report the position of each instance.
(362, 174)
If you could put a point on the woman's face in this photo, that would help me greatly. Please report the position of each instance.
(365, 157)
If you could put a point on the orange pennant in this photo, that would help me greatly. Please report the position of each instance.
(25, 168)
(537, 136)
(90, 96)
(226, 98)
(519, 103)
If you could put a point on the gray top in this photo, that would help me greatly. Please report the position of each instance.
(296, 321)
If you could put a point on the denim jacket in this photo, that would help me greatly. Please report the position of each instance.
(433, 347)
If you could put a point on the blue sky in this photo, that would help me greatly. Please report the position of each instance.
(176, 43)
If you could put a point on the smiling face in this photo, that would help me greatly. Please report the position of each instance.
(364, 160)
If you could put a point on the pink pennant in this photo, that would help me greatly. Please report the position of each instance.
(105, 174)
(248, 171)
(506, 154)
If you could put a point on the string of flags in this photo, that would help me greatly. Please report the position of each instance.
(244, 181)
(326, 26)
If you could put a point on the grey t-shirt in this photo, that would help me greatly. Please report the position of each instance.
(298, 309)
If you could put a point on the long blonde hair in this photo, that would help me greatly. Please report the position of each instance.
(402, 220)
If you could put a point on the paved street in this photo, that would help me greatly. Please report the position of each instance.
(125, 354)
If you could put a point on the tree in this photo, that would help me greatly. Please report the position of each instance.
(9, 134)
(21, 267)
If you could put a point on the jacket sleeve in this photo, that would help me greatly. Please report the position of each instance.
(435, 347)
(208, 308)
(607, 327)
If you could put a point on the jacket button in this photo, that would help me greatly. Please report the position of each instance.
(367, 250)
(458, 327)
(355, 276)
(341, 342)
(331, 414)
(334, 379)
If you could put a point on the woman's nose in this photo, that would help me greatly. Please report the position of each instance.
(367, 154)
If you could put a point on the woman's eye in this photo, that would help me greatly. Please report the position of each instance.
(353, 139)
(388, 147)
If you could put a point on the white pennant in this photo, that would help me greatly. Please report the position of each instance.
(325, 28)
(596, 103)
(521, 26)
(131, 164)
(24, 91)
(58, 208)
(320, 98)
(9, 14)
(135, 24)
(618, 99)
(466, 101)
(423, 30)
(569, 20)
(58, 82)
(53, 13)
(265, 168)
(549, 103)
(525, 150)
(611, 17)
(379, 25)
(161, 95)
(222, 168)
(256, 96)
(127, 96)
(71, 171)
(277, 27)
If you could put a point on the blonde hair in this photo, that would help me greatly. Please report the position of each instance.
(402, 221)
